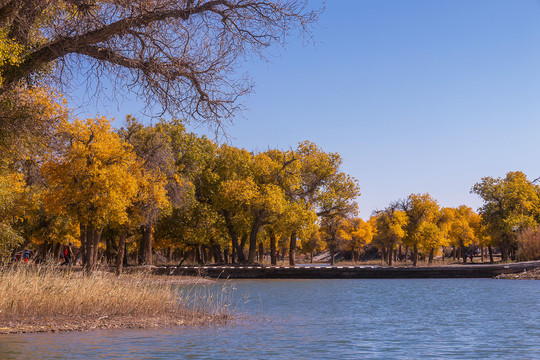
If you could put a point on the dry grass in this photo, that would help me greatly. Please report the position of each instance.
(48, 295)
(530, 244)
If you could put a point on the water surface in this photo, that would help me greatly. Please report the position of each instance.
(330, 319)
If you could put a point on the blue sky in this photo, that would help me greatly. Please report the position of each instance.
(417, 96)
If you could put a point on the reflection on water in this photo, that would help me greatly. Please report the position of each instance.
(329, 319)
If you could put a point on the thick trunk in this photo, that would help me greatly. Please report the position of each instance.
(273, 255)
(463, 253)
(490, 251)
(482, 254)
(292, 249)
(253, 240)
(121, 251)
(261, 252)
(390, 251)
(431, 255)
(93, 237)
(233, 256)
(454, 252)
(200, 255)
(237, 251)
(146, 244)
(332, 253)
(504, 253)
(242, 247)
(226, 255)
(415, 255)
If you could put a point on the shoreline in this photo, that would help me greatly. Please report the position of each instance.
(39, 325)
(347, 272)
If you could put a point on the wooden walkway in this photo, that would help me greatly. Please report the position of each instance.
(347, 272)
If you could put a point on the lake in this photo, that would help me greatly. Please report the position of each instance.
(330, 319)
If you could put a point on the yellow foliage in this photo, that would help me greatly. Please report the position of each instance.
(94, 177)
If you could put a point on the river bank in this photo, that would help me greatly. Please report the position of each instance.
(533, 274)
(40, 299)
(348, 272)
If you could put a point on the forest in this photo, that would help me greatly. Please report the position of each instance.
(145, 194)
(149, 191)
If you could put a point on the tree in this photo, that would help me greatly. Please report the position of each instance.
(463, 229)
(390, 225)
(181, 54)
(322, 188)
(361, 234)
(510, 203)
(420, 209)
(153, 146)
(93, 179)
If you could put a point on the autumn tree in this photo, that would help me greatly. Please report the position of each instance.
(323, 189)
(92, 178)
(361, 234)
(510, 203)
(421, 209)
(181, 54)
(153, 147)
(390, 225)
(463, 228)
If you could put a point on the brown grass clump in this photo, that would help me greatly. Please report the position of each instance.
(47, 298)
(530, 244)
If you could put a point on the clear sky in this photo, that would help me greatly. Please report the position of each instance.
(416, 95)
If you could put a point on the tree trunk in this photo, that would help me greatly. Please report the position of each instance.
(233, 256)
(415, 255)
(261, 252)
(463, 253)
(390, 256)
(332, 255)
(83, 238)
(482, 249)
(237, 251)
(431, 255)
(108, 249)
(273, 255)
(454, 252)
(226, 255)
(490, 251)
(504, 253)
(121, 251)
(93, 237)
(292, 249)
(253, 240)
(146, 244)
(199, 255)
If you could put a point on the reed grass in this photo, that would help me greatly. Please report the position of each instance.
(54, 295)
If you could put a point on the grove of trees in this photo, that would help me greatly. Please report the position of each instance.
(153, 188)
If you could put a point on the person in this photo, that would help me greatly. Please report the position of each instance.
(26, 255)
(471, 255)
(68, 255)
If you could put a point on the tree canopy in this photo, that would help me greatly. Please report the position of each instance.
(182, 55)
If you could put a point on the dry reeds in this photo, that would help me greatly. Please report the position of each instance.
(54, 294)
(530, 244)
